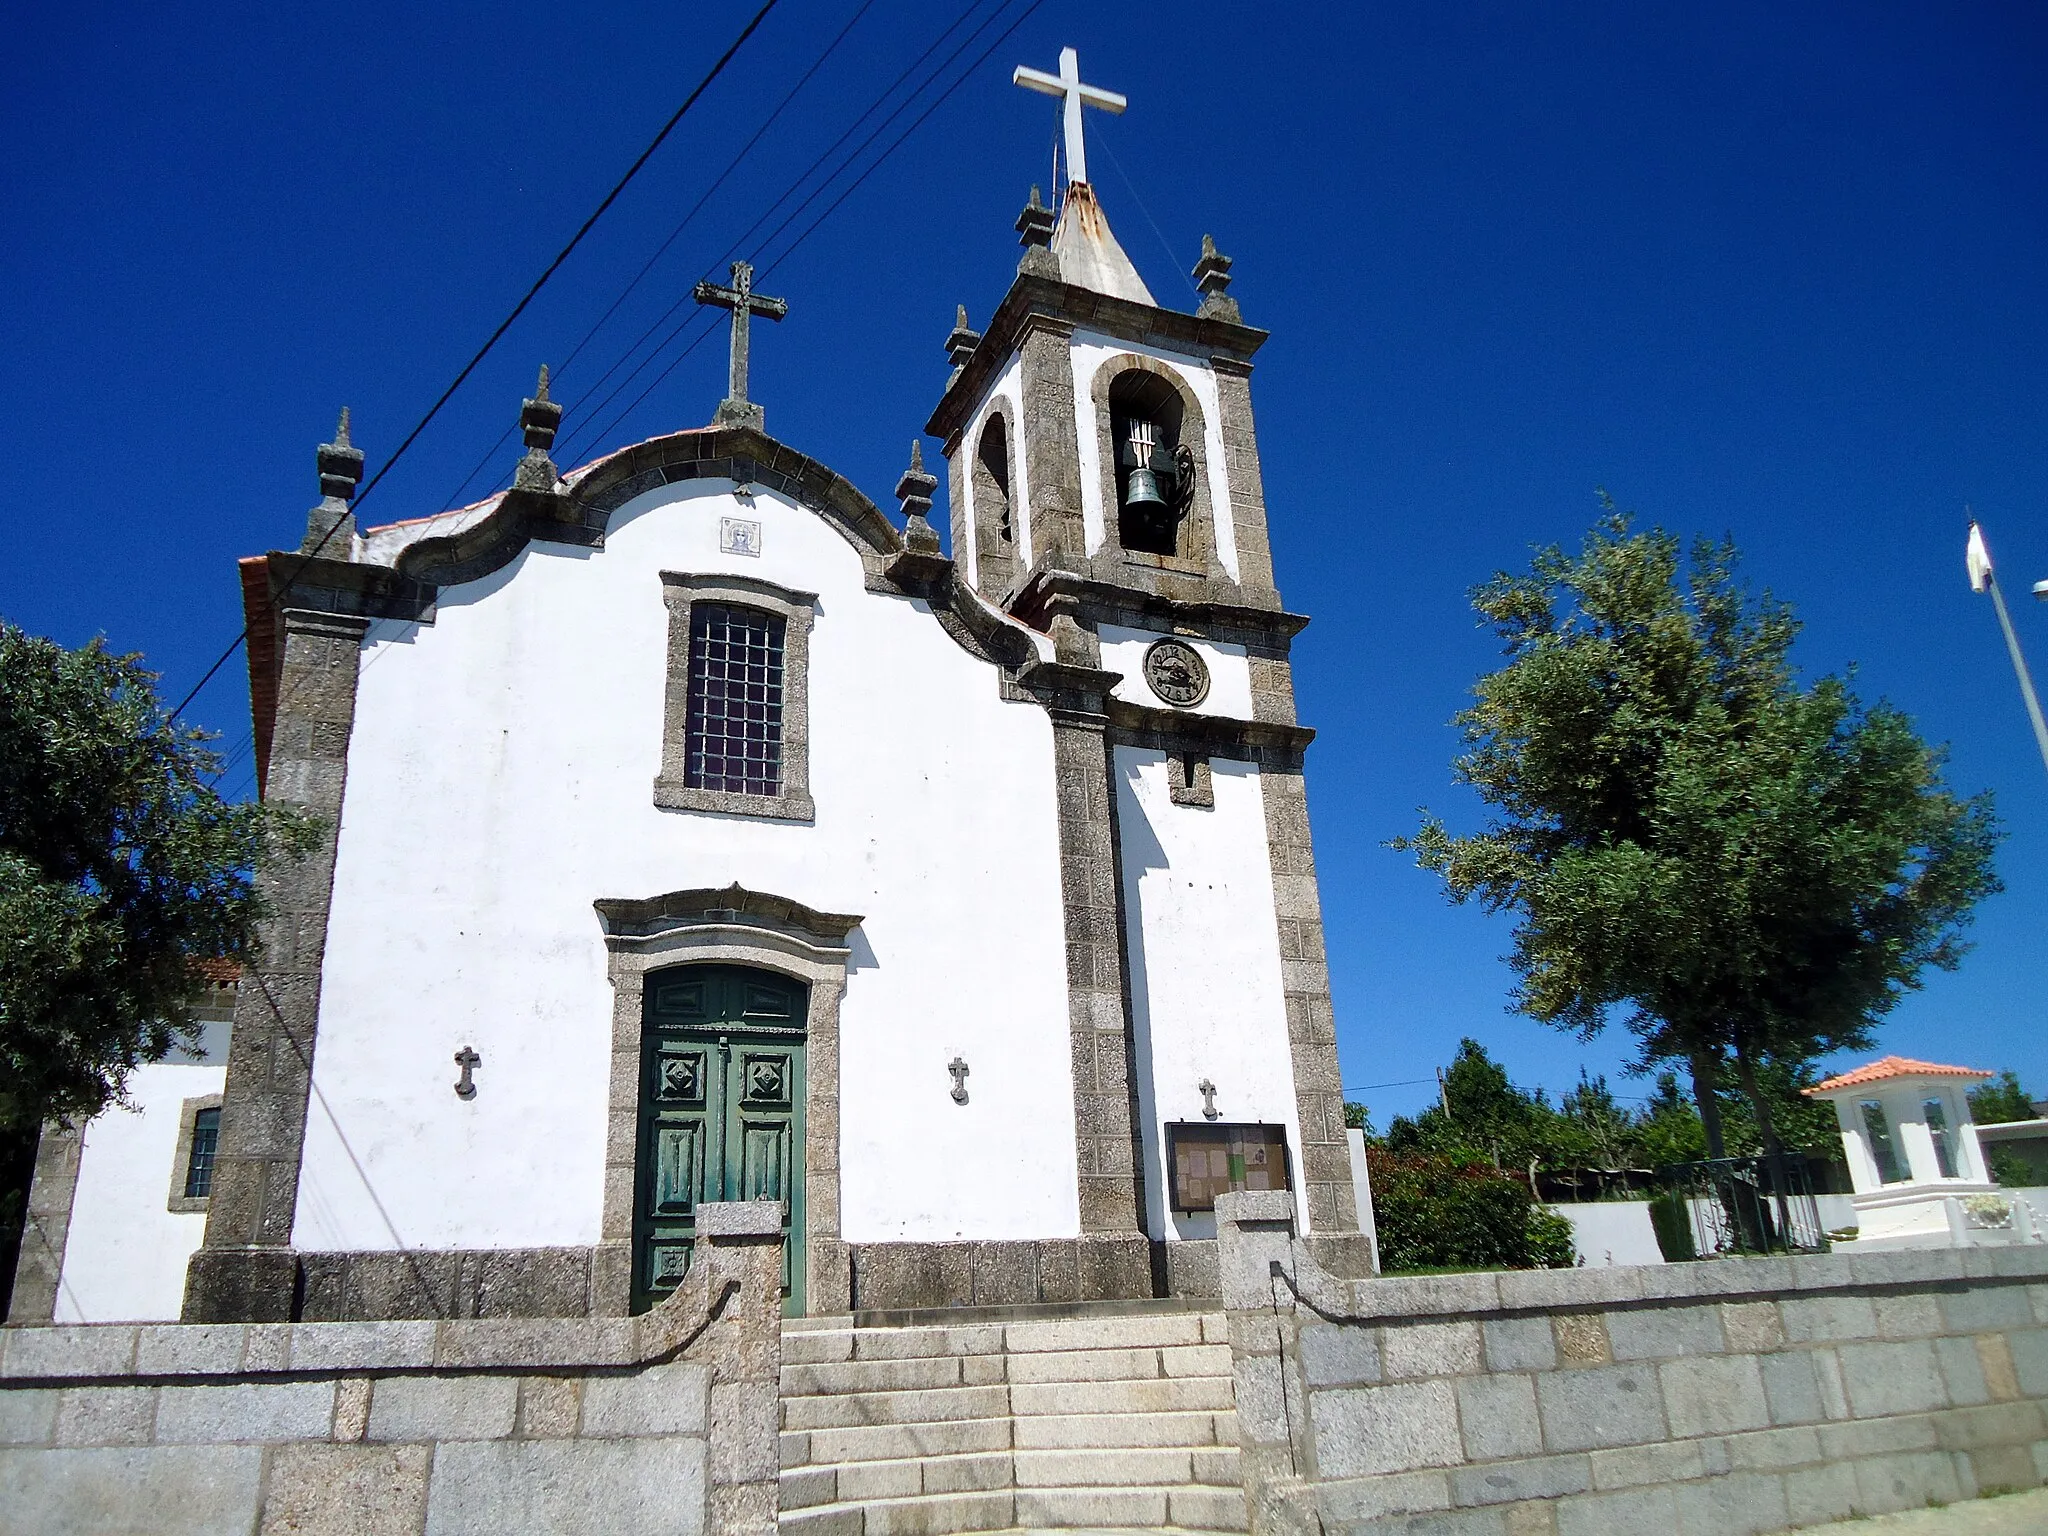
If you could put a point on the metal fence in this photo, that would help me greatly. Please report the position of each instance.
(1736, 1205)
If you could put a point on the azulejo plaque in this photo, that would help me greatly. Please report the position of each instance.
(1175, 672)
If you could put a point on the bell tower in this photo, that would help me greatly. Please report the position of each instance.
(1106, 491)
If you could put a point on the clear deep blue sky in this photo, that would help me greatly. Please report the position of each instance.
(1768, 270)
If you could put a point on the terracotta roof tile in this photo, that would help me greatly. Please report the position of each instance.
(1891, 1066)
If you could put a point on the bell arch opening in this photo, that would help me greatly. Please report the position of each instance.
(995, 523)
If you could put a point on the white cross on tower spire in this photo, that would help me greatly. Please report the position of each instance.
(1067, 84)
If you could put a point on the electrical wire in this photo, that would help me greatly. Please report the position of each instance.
(517, 310)
(454, 497)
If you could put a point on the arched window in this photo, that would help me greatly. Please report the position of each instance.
(1153, 479)
(995, 525)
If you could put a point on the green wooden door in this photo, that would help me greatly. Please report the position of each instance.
(721, 1115)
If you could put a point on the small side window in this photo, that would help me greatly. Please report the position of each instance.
(198, 1150)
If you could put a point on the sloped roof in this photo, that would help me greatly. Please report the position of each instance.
(1889, 1067)
(1088, 253)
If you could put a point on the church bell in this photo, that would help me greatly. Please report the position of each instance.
(1142, 489)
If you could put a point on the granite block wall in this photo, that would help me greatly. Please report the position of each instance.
(664, 1422)
(1732, 1397)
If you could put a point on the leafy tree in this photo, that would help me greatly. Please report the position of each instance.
(1755, 871)
(119, 868)
(2001, 1101)
(1482, 1116)
(1433, 1213)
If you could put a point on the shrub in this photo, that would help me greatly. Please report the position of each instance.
(1672, 1221)
(1433, 1213)
(1552, 1244)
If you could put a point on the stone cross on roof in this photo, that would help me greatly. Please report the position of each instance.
(736, 409)
(1067, 85)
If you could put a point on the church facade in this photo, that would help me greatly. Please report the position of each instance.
(698, 831)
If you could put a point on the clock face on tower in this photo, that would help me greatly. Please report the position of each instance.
(1176, 673)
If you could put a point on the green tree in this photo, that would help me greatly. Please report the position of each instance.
(1482, 1117)
(1752, 871)
(2001, 1101)
(119, 868)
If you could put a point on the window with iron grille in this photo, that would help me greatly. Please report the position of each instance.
(735, 720)
(735, 708)
(199, 1161)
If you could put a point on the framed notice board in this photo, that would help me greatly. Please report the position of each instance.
(1211, 1159)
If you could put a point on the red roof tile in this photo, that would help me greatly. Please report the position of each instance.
(1891, 1066)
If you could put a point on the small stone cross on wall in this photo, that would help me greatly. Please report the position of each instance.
(958, 1068)
(1208, 1091)
(469, 1061)
(744, 303)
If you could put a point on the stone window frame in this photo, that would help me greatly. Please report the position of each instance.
(996, 568)
(1188, 779)
(181, 1165)
(728, 927)
(672, 792)
(1198, 533)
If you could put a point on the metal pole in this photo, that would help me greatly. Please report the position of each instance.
(2019, 666)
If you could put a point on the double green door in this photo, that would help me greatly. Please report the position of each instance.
(721, 1115)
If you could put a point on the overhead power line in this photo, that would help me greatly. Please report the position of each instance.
(505, 325)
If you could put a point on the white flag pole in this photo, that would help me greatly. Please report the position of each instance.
(1984, 578)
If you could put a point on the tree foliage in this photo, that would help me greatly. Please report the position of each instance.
(1432, 1213)
(2001, 1101)
(1754, 871)
(119, 868)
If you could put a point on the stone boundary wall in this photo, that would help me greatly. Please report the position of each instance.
(665, 1422)
(1730, 1397)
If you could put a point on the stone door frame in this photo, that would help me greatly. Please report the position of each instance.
(733, 926)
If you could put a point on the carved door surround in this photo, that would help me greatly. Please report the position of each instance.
(738, 927)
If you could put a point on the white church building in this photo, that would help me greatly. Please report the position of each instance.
(698, 830)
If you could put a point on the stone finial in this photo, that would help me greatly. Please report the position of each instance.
(1212, 277)
(914, 491)
(331, 527)
(341, 464)
(1035, 223)
(1035, 227)
(538, 420)
(961, 340)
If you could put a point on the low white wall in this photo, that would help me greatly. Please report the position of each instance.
(125, 1255)
(1609, 1232)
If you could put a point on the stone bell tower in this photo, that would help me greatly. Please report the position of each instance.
(1105, 489)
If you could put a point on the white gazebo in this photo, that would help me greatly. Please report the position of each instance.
(1918, 1173)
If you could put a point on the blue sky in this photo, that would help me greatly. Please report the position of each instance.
(1768, 270)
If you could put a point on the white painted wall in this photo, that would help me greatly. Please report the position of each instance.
(1612, 1232)
(124, 1260)
(1206, 988)
(1007, 385)
(1230, 671)
(500, 780)
(1090, 350)
(1912, 1140)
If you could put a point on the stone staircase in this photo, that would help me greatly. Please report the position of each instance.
(1123, 1418)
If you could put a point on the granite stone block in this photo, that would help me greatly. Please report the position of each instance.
(1714, 1395)
(106, 1416)
(1519, 1344)
(1754, 1326)
(1741, 1504)
(661, 1400)
(1507, 1482)
(647, 1487)
(1340, 1355)
(2029, 1349)
(1962, 1371)
(1908, 1480)
(1662, 1333)
(1774, 1450)
(1827, 1319)
(245, 1411)
(1987, 1309)
(1364, 1430)
(187, 1490)
(346, 1490)
(1884, 1379)
(1634, 1513)
(1599, 1407)
(1816, 1494)
(1792, 1389)
(1639, 1466)
(28, 1415)
(1420, 1350)
(1498, 1414)
(410, 1408)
